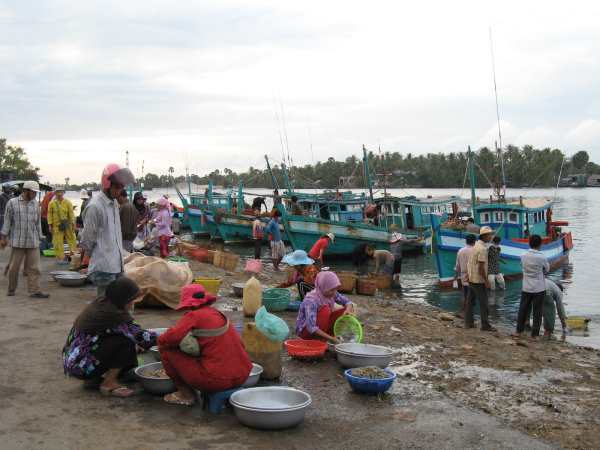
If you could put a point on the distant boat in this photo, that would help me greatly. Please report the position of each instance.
(514, 221)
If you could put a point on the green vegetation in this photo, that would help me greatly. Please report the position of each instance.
(14, 163)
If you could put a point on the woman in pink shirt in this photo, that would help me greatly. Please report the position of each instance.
(163, 226)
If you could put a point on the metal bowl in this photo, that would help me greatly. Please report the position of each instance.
(254, 376)
(238, 289)
(270, 408)
(56, 273)
(154, 352)
(74, 279)
(157, 386)
(352, 355)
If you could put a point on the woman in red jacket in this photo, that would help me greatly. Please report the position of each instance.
(202, 351)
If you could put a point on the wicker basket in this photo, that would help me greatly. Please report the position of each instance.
(366, 286)
(229, 261)
(210, 259)
(348, 280)
(383, 281)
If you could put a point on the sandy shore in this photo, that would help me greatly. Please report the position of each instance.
(458, 388)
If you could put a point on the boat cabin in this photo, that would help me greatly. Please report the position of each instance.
(412, 213)
(516, 219)
(335, 206)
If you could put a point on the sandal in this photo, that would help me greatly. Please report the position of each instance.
(40, 295)
(174, 399)
(120, 391)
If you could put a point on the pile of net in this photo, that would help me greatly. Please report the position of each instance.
(159, 280)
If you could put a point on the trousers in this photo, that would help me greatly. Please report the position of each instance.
(58, 241)
(535, 301)
(477, 293)
(32, 268)
(325, 321)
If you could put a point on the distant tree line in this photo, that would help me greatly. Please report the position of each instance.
(523, 167)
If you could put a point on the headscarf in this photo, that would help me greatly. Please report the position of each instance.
(195, 296)
(324, 282)
(109, 311)
(143, 208)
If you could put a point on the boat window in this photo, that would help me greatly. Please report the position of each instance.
(499, 216)
(513, 217)
(485, 217)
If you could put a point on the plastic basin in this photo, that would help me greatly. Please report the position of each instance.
(305, 348)
(367, 385)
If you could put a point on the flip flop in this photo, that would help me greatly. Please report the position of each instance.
(120, 392)
(174, 399)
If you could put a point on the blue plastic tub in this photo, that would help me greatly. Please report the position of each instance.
(368, 386)
(294, 305)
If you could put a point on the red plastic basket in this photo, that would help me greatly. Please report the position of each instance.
(305, 348)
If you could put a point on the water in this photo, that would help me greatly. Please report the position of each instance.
(581, 207)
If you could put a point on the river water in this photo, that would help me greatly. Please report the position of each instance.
(581, 207)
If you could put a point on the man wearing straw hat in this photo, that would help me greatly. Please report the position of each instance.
(478, 281)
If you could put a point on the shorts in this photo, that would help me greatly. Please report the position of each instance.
(102, 279)
(277, 249)
(397, 265)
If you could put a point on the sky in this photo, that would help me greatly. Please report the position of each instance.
(212, 85)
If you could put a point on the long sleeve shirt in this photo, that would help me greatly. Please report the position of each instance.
(462, 264)
(59, 211)
(101, 236)
(22, 223)
(535, 265)
(554, 292)
(163, 223)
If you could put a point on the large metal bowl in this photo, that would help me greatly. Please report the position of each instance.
(254, 376)
(270, 408)
(157, 386)
(72, 280)
(352, 355)
(56, 273)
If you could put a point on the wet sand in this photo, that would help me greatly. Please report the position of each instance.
(457, 388)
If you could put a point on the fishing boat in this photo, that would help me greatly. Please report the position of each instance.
(412, 216)
(514, 220)
(199, 210)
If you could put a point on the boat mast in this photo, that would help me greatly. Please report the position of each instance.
(189, 183)
(367, 173)
(286, 180)
(240, 199)
(273, 179)
(471, 157)
(498, 149)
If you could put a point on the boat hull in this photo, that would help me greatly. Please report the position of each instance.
(448, 242)
(306, 231)
(197, 221)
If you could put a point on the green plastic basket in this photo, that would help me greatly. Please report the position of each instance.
(177, 259)
(348, 329)
(276, 299)
(49, 252)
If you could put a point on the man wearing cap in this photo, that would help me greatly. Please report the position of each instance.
(22, 230)
(478, 280)
(61, 223)
(101, 237)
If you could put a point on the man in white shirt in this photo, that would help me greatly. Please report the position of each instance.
(535, 266)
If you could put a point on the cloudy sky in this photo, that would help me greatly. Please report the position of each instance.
(203, 84)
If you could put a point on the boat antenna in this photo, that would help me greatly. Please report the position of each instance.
(499, 150)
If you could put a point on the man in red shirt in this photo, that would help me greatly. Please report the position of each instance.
(318, 250)
(44, 214)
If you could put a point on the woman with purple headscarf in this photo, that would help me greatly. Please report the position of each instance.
(317, 313)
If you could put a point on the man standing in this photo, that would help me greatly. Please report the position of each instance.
(257, 234)
(478, 281)
(461, 270)
(535, 265)
(45, 227)
(101, 237)
(22, 229)
(61, 223)
(129, 217)
(277, 245)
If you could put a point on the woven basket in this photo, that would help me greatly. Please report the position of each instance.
(229, 261)
(348, 280)
(210, 258)
(383, 281)
(366, 286)
(218, 256)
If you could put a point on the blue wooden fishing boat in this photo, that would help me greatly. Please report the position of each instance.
(199, 210)
(514, 221)
(412, 216)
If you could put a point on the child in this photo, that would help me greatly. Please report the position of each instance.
(494, 274)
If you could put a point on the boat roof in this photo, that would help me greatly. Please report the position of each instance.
(426, 201)
(521, 203)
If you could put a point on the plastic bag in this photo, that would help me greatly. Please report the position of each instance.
(270, 325)
(455, 284)
(253, 266)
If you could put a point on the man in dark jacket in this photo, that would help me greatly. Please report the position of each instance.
(129, 218)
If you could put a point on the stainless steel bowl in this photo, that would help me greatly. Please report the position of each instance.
(157, 386)
(56, 273)
(254, 376)
(154, 352)
(352, 355)
(270, 408)
(71, 280)
(238, 289)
